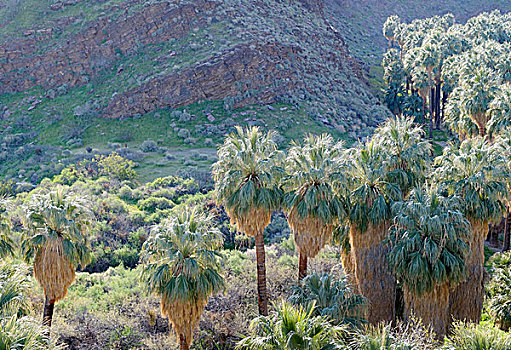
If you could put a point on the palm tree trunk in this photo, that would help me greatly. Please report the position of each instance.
(349, 269)
(431, 98)
(374, 278)
(466, 300)
(431, 307)
(505, 244)
(261, 275)
(49, 306)
(183, 345)
(302, 266)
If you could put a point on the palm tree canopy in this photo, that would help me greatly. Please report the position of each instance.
(292, 328)
(475, 171)
(372, 192)
(247, 172)
(57, 216)
(333, 298)
(314, 182)
(405, 150)
(427, 240)
(181, 262)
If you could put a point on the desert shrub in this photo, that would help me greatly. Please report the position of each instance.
(116, 166)
(330, 297)
(126, 193)
(477, 337)
(149, 146)
(412, 336)
(151, 204)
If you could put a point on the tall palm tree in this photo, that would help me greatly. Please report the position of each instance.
(6, 243)
(292, 328)
(181, 265)
(312, 197)
(503, 142)
(474, 172)
(246, 176)
(56, 228)
(500, 110)
(428, 254)
(371, 199)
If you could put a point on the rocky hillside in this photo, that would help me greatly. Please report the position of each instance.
(67, 67)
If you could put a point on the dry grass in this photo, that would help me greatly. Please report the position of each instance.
(53, 270)
(373, 276)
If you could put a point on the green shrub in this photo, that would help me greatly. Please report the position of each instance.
(151, 204)
(477, 337)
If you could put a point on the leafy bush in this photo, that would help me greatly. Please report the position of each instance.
(499, 290)
(149, 146)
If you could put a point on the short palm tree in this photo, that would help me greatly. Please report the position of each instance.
(333, 298)
(474, 172)
(181, 264)
(17, 330)
(56, 228)
(312, 197)
(371, 198)
(292, 328)
(428, 254)
(247, 176)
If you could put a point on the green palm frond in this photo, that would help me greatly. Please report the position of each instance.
(248, 171)
(26, 333)
(315, 179)
(14, 284)
(476, 172)
(180, 258)
(59, 215)
(372, 189)
(6, 242)
(406, 153)
(427, 240)
(292, 328)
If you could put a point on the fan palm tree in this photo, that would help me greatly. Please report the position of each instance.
(181, 265)
(406, 154)
(474, 172)
(331, 297)
(503, 142)
(475, 91)
(371, 199)
(428, 254)
(292, 328)
(246, 176)
(312, 199)
(56, 227)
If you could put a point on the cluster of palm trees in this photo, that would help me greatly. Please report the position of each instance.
(414, 225)
(462, 72)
